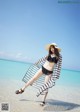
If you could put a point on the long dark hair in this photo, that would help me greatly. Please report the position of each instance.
(56, 52)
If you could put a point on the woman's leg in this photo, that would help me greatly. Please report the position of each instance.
(47, 78)
(34, 78)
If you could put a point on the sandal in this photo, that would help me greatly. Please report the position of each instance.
(19, 91)
(42, 103)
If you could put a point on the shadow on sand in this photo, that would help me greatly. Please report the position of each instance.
(56, 105)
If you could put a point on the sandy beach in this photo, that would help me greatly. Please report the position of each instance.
(60, 98)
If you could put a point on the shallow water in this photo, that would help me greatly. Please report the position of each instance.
(16, 70)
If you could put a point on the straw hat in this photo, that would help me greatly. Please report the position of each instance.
(55, 45)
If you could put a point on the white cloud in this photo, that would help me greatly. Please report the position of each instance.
(18, 55)
(15, 56)
(1, 53)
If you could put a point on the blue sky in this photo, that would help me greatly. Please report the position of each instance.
(26, 26)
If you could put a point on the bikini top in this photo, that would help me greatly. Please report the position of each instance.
(52, 59)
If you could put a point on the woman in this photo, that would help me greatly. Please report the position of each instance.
(47, 68)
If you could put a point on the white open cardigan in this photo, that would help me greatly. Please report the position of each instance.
(39, 84)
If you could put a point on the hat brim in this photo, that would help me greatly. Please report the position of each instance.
(48, 46)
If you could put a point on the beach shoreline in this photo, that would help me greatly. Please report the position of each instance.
(60, 98)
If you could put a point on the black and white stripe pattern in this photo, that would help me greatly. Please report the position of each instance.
(51, 82)
(39, 84)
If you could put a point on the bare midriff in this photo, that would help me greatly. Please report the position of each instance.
(49, 65)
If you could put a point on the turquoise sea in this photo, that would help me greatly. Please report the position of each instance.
(16, 70)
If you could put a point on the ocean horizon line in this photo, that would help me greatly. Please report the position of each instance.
(26, 62)
(13, 60)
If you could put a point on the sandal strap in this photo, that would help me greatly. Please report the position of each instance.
(19, 91)
(22, 90)
(42, 103)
